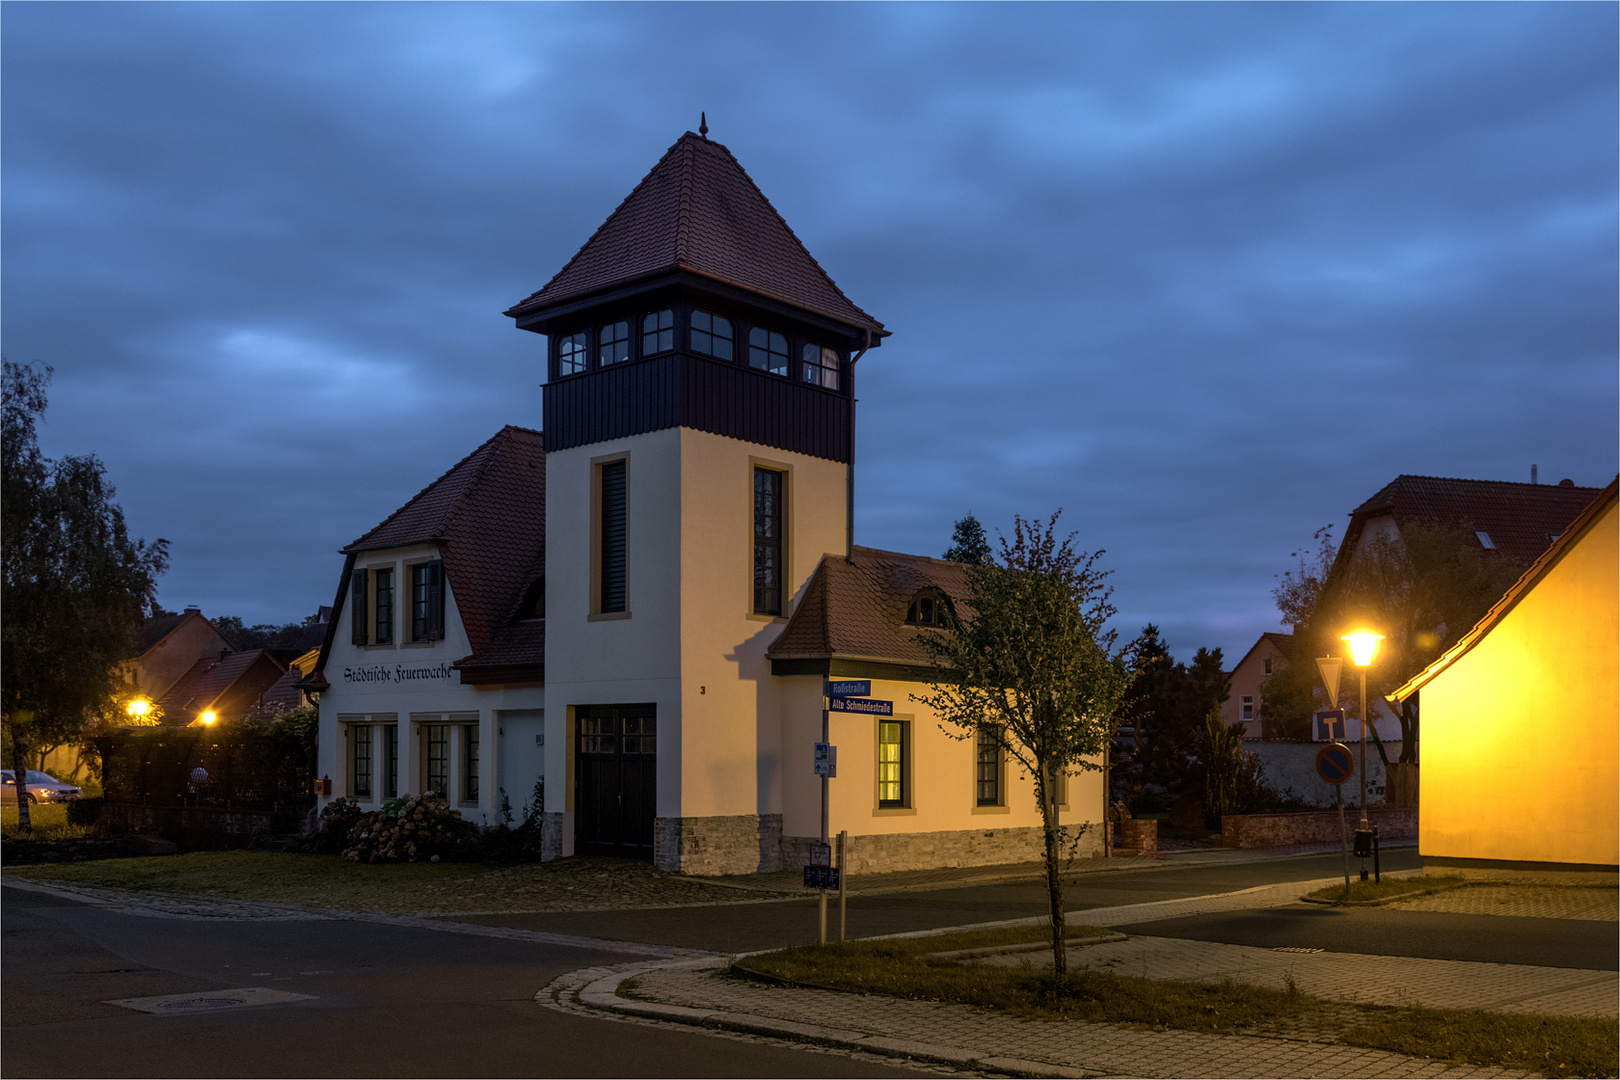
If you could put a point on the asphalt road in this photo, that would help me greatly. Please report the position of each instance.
(387, 1001)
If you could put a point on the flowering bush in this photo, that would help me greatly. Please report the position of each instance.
(331, 835)
(414, 828)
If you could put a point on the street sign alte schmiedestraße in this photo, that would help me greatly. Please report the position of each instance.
(866, 705)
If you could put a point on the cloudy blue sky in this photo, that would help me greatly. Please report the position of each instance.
(1204, 276)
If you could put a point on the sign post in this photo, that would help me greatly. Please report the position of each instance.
(1335, 765)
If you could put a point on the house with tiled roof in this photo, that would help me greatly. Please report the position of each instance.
(220, 688)
(643, 612)
(1492, 798)
(1245, 700)
(169, 647)
(437, 644)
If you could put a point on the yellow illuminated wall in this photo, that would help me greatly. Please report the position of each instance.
(1521, 733)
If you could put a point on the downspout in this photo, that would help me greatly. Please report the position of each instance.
(849, 473)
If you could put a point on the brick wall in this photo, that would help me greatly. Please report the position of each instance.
(1313, 827)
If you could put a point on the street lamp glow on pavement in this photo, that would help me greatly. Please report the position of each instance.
(1363, 648)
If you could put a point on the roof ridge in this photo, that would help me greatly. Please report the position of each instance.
(872, 551)
(683, 200)
(505, 435)
(1507, 483)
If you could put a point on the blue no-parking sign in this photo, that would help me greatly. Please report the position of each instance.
(1335, 764)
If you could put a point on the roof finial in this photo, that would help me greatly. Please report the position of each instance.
(703, 124)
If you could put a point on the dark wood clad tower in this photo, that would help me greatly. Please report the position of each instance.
(694, 305)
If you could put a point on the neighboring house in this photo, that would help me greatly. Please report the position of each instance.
(1244, 702)
(228, 685)
(170, 646)
(685, 533)
(432, 673)
(1496, 790)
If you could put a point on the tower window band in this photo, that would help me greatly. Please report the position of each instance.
(712, 335)
(767, 542)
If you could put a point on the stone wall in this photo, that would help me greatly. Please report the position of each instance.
(551, 836)
(1289, 767)
(193, 828)
(1286, 829)
(713, 846)
(883, 852)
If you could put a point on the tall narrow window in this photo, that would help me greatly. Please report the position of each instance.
(469, 763)
(711, 335)
(891, 763)
(988, 777)
(390, 776)
(820, 366)
(427, 601)
(571, 355)
(360, 761)
(613, 537)
(767, 351)
(767, 542)
(613, 344)
(657, 332)
(438, 760)
(385, 607)
(359, 610)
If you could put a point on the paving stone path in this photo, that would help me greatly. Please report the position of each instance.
(1541, 901)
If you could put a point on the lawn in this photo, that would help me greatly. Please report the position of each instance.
(911, 968)
(578, 884)
(1378, 892)
(49, 821)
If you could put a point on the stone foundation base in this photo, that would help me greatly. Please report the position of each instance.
(551, 836)
(881, 853)
(713, 846)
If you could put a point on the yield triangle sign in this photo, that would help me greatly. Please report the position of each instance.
(1330, 666)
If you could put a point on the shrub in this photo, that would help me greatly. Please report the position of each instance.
(85, 811)
(331, 836)
(414, 828)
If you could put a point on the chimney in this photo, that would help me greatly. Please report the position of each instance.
(1532, 474)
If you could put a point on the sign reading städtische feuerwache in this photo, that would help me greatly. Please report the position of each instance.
(397, 674)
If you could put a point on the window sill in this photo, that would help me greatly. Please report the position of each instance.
(755, 616)
(417, 644)
(378, 645)
(607, 616)
(894, 811)
(992, 809)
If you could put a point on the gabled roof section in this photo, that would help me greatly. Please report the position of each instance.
(488, 517)
(697, 210)
(1283, 643)
(856, 610)
(1573, 533)
(155, 630)
(235, 679)
(1520, 519)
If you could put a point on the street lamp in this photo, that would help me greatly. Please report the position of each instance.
(208, 716)
(1363, 647)
(139, 708)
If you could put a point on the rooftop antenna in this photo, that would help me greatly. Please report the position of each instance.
(703, 124)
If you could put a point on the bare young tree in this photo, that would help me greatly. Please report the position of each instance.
(1030, 657)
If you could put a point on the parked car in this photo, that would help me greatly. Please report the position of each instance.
(42, 787)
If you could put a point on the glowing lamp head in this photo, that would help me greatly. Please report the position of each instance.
(139, 708)
(1363, 646)
(208, 716)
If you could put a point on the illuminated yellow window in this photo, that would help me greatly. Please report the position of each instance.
(891, 763)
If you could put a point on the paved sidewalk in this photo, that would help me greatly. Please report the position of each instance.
(966, 1038)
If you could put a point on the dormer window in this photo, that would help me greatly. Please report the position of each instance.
(927, 609)
(533, 604)
(820, 366)
(657, 332)
(767, 351)
(613, 344)
(571, 355)
(712, 335)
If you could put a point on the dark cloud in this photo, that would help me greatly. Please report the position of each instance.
(1204, 275)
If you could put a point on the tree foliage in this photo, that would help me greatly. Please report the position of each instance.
(75, 585)
(1422, 590)
(968, 543)
(262, 635)
(1031, 657)
(1165, 712)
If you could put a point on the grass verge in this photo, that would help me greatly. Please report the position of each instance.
(578, 884)
(903, 968)
(1379, 892)
(49, 821)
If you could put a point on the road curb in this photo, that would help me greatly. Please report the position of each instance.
(603, 994)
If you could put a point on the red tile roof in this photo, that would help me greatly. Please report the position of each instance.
(487, 515)
(1521, 519)
(857, 610)
(1573, 532)
(697, 210)
(228, 684)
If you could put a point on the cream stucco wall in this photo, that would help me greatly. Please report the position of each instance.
(943, 796)
(367, 686)
(1521, 734)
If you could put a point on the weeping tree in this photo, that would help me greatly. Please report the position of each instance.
(1030, 658)
(75, 585)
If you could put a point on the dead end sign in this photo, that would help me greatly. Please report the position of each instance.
(1335, 764)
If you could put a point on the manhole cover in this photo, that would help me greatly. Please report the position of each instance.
(201, 1003)
(1295, 948)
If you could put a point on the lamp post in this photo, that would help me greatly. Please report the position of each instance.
(1363, 647)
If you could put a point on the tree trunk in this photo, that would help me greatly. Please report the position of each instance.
(19, 770)
(1054, 875)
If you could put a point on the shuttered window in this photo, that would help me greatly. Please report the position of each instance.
(613, 537)
(427, 601)
(358, 613)
(767, 542)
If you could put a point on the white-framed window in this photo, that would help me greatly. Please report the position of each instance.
(1248, 707)
(1266, 663)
